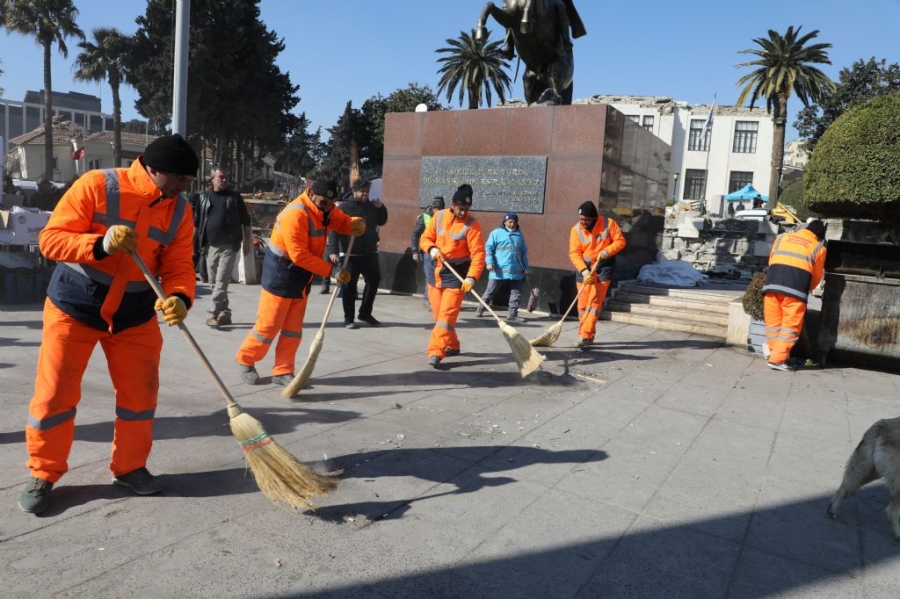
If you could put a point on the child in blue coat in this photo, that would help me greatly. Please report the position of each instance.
(506, 258)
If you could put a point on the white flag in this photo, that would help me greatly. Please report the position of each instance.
(709, 120)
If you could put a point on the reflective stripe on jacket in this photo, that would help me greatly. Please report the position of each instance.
(295, 250)
(796, 264)
(461, 244)
(81, 280)
(585, 246)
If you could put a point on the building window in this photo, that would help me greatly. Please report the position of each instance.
(93, 164)
(739, 180)
(648, 123)
(694, 184)
(745, 133)
(633, 117)
(697, 142)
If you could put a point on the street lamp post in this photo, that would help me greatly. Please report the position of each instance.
(675, 188)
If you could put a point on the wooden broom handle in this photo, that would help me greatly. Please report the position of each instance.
(157, 288)
(472, 291)
(336, 287)
(577, 295)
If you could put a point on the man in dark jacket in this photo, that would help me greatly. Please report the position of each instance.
(223, 229)
(363, 256)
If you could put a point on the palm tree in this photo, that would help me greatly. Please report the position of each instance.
(105, 60)
(783, 66)
(475, 66)
(48, 21)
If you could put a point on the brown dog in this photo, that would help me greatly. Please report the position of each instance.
(876, 456)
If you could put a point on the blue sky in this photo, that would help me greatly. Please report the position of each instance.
(352, 49)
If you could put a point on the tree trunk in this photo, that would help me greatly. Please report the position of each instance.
(474, 97)
(779, 119)
(48, 115)
(117, 120)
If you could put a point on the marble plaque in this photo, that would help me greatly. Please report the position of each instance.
(500, 183)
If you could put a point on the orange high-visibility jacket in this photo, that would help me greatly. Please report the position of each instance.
(298, 241)
(585, 247)
(74, 238)
(796, 264)
(459, 242)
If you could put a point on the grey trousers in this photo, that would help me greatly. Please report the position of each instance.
(515, 293)
(219, 267)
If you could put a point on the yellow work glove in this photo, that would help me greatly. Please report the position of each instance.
(343, 277)
(435, 254)
(173, 310)
(588, 277)
(467, 284)
(604, 255)
(120, 238)
(357, 227)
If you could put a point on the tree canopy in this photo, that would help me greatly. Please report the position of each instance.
(475, 67)
(239, 101)
(856, 85)
(853, 172)
(784, 65)
(49, 22)
(104, 60)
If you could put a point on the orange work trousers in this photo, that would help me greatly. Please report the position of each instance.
(590, 302)
(784, 321)
(445, 305)
(280, 317)
(132, 358)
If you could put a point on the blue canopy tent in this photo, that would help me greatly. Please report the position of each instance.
(748, 192)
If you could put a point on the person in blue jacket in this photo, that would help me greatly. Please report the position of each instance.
(506, 258)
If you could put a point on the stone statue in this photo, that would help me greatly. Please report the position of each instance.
(539, 31)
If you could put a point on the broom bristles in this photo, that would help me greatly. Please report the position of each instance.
(300, 381)
(526, 357)
(280, 476)
(549, 337)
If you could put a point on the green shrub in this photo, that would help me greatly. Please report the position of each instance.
(853, 172)
(753, 297)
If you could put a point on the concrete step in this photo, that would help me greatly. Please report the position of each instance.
(666, 301)
(697, 312)
(670, 324)
(694, 293)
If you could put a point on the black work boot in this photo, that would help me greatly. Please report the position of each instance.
(35, 497)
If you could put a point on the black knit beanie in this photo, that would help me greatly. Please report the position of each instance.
(588, 209)
(463, 195)
(172, 154)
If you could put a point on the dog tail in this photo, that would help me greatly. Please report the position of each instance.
(860, 468)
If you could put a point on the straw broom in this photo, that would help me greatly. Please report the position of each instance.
(527, 359)
(315, 347)
(280, 476)
(551, 335)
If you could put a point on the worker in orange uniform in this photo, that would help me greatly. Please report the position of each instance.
(292, 260)
(796, 266)
(98, 295)
(593, 245)
(452, 236)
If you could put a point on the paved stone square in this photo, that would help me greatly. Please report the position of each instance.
(657, 464)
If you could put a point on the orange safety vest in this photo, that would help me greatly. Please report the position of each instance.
(460, 242)
(796, 264)
(297, 244)
(85, 275)
(585, 247)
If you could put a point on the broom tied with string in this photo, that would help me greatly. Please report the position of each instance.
(526, 357)
(551, 335)
(302, 378)
(280, 476)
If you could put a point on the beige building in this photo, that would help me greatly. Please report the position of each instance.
(25, 159)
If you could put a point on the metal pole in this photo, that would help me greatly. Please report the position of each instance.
(179, 90)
